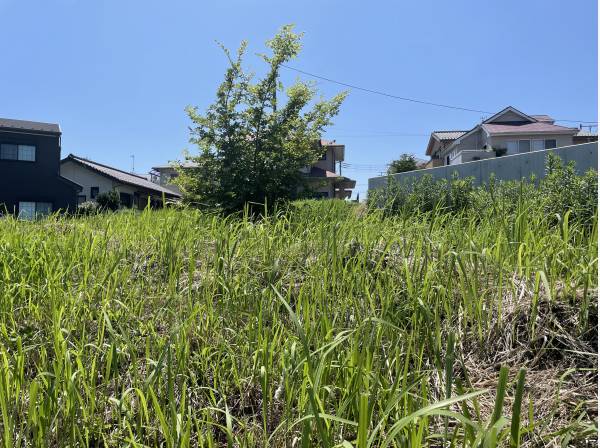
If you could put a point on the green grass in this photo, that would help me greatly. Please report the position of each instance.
(322, 326)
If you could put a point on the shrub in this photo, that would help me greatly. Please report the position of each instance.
(561, 191)
(87, 208)
(109, 200)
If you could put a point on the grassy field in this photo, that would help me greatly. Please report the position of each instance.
(321, 326)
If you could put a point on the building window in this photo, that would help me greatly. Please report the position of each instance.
(27, 152)
(9, 151)
(550, 143)
(94, 192)
(324, 156)
(33, 210)
(512, 147)
(537, 145)
(524, 146)
(81, 198)
(125, 199)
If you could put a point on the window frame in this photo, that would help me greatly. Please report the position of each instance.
(36, 213)
(94, 192)
(528, 143)
(550, 140)
(19, 147)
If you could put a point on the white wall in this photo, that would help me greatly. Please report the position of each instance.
(499, 142)
(88, 178)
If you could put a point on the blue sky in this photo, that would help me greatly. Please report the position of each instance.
(117, 75)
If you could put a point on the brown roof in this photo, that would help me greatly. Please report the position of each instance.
(121, 176)
(320, 172)
(449, 135)
(23, 125)
(526, 128)
(544, 118)
(324, 142)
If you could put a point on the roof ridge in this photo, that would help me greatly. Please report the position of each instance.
(108, 166)
(451, 130)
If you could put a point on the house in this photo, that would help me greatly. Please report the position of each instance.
(510, 131)
(321, 176)
(95, 178)
(165, 174)
(30, 180)
(585, 137)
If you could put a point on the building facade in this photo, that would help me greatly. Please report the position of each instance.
(322, 177)
(135, 191)
(30, 180)
(508, 132)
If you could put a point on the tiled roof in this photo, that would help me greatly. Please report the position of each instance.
(544, 118)
(526, 128)
(449, 135)
(22, 125)
(183, 165)
(583, 133)
(121, 176)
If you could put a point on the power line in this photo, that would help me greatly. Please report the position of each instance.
(402, 98)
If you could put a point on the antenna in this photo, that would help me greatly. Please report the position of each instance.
(132, 163)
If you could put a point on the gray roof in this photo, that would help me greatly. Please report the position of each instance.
(23, 125)
(177, 164)
(121, 176)
(449, 135)
(583, 133)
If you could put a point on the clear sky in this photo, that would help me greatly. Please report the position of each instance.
(116, 75)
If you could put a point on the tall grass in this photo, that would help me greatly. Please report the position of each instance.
(321, 325)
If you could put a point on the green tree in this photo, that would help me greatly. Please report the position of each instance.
(406, 162)
(251, 147)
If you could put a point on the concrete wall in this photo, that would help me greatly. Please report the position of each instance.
(515, 167)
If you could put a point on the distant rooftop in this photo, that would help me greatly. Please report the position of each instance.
(544, 118)
(23, 125)
(449, 135)
(524, 127)
(583, 133)
(167, 166)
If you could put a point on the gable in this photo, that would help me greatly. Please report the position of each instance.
(510, 115)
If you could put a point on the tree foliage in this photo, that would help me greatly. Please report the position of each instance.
(251, 144)
(406, 162)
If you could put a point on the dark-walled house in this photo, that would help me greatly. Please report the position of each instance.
(30, 180)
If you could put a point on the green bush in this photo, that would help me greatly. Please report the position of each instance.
(109, 200)
(88, 208)
(562, 190)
